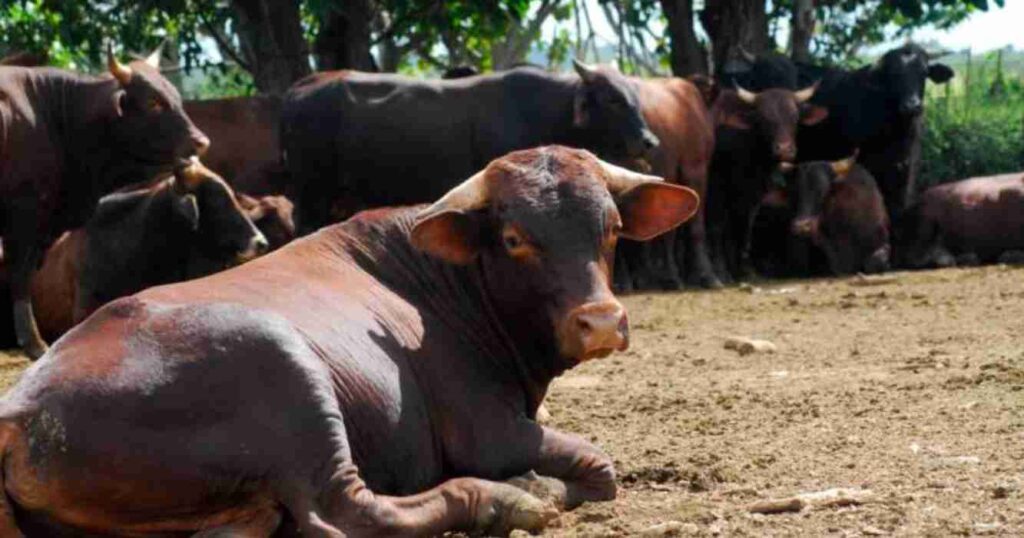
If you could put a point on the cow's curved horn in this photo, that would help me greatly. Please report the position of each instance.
(842, 167)
(805, 94)
(467, 196)
(121, 72)
(745, 95)
(585, 71)
(619, 179)
(154, 57)
(746, 54)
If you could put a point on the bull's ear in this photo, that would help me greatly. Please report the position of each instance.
(812, 114)
(939, 73)
(651, 209)
(187, 207)
(451, 236)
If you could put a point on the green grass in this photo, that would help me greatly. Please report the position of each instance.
(974, 125)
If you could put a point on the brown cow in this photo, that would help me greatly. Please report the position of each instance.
(177, 229)
(840, 210)
(377, 378)
(675, 112)
(980, 218)
(755, 136)
(66, 139)
(245, 149)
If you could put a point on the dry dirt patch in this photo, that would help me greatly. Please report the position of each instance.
(911, 389)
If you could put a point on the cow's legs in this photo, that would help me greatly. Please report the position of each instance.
(346, 507)
(23, 257)
(698, 259)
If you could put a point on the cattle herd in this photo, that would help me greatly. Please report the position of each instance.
(382, 374)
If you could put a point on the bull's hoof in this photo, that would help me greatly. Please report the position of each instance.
(512, 509)
(551, 490)
(709, 282)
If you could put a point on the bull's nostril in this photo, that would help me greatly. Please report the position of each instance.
(583, 326)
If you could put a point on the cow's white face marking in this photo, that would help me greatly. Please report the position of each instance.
(908, 58)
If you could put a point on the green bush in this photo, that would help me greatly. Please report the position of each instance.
(974, 126)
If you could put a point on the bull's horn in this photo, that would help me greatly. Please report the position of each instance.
(746, 96)
(154, 57)
(467, 196)
(585, 71)
(121, 72)
(842, 167)
(186, 177)
(746, 54)
(805, 94)
(619, 179)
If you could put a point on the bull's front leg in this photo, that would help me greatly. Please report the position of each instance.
(23, 257)
(563, 468)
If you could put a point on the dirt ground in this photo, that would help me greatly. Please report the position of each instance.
(909, 392)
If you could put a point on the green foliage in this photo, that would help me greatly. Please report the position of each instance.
(971, 130)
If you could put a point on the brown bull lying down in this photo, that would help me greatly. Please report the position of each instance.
(978, 219)
(184, 227)
(376, 378)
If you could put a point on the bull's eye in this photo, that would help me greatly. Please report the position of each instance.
(512, 241)
(155, 105)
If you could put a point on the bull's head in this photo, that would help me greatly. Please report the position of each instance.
(225, 234)
(774, 113)
(542, 224)
(809, 188)
(151, 128)
(901, 74)
(607, 108)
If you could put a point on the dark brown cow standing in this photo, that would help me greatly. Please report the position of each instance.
(840, 210)
(246, 151)
(66, 139)
(675, 111)
(376, 378)
(178, 229)
(755, 136)
(980, 218)
(354, 140)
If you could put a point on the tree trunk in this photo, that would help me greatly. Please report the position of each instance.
(344, 38)
(801, 30)
(688, 56)
(270, 35)
(732, 24)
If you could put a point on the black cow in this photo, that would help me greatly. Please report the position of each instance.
(353, 140)
(877, 109)
(66, 139)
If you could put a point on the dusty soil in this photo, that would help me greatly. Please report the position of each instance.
(909, 392)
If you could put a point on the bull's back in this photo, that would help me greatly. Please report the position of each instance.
(984, 214)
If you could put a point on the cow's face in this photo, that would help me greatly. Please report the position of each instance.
(151, 126)
(774, 114)
(901, 73)
(224, 234)
(543, 224)
(606, 106)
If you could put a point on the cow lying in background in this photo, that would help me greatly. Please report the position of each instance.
(978, 219)
(755, 136)
(181, 228)
(377, 378)
(840, 210)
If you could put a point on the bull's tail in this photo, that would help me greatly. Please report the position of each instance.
(8, 523)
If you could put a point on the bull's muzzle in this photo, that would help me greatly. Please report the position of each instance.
(595, 330)
(201, 143)
(258, 246)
